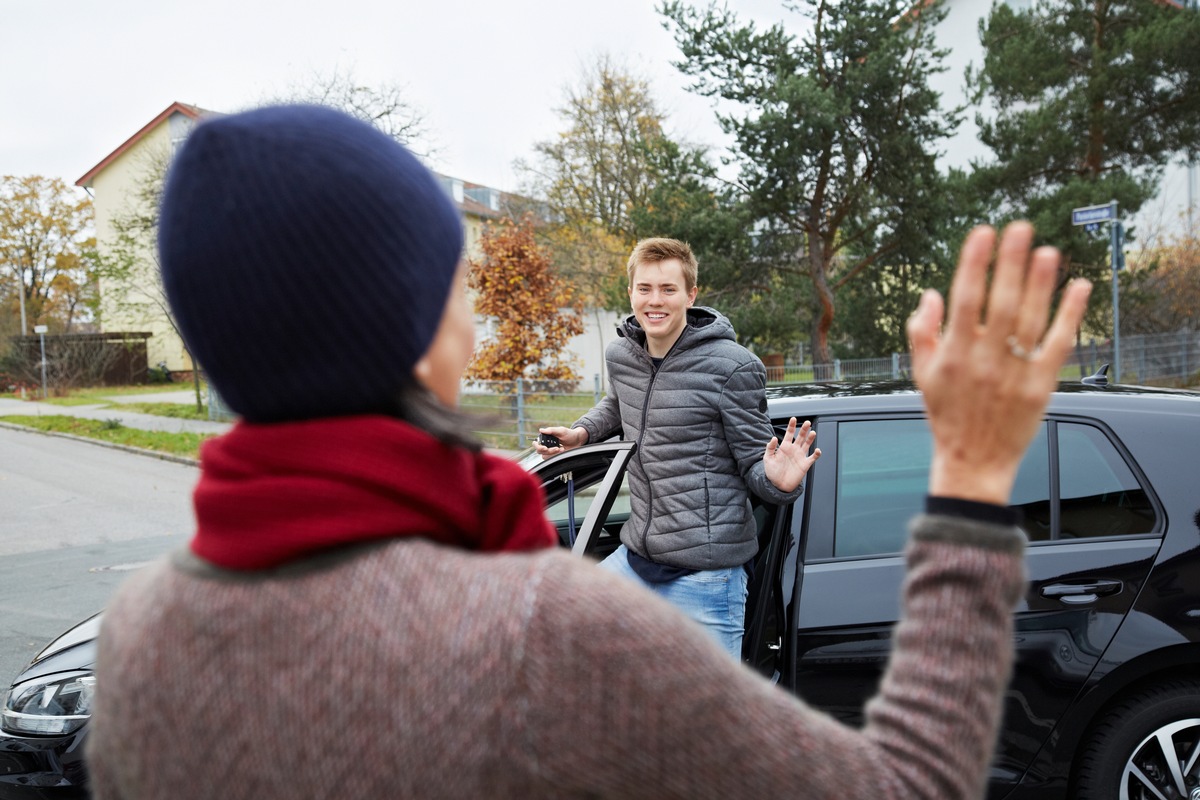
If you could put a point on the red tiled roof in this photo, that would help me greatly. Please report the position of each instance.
(193, 112)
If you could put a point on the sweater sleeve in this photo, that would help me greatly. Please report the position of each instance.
(627, 698)
(605, 417)
(748, 429)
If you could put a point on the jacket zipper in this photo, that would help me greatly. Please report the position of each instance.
(641, 434)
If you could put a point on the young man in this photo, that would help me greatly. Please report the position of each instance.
(695, 402)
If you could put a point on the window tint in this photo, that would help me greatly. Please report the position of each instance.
(584, 497)
(1099, 494)
(883, 475)
(557, 512)
(1031, 490)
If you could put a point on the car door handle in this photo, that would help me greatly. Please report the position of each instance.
(1082, 592)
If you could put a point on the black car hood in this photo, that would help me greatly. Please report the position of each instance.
(72, 651)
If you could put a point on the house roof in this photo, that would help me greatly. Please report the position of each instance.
(467, 205)
(193, 112)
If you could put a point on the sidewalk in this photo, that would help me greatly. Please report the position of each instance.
(130, 419)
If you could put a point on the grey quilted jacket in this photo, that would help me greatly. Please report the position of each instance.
(701, 426)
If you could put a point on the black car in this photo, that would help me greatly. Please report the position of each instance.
(43, 723)
(1105, 696)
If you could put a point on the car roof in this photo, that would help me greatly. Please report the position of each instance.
(812, 399)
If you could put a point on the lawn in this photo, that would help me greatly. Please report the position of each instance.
(177, 444)
(99, 396)
(175, 410)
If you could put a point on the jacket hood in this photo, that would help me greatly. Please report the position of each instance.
(703, 324)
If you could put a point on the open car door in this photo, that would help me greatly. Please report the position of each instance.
(586, 497)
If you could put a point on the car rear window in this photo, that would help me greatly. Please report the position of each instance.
(1100, 495)
(883, 473)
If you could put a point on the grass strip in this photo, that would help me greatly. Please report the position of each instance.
(177, 444)
(99, 395)
(175, 410)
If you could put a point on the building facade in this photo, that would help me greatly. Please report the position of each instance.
(123, 187)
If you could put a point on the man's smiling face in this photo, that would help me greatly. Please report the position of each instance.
(660, 299)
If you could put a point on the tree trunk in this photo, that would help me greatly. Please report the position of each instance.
(195, 380)
(818, 270)
(1094, 160)
(196, 386)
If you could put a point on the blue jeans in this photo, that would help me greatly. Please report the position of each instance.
(714, 598)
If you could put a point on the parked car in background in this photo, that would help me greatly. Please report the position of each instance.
(43, 723)
(1105, 696)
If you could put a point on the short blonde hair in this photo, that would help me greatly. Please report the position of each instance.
(658, 249)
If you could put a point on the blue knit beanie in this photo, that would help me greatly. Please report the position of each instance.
(307, 259)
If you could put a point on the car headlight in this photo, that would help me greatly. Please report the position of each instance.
(54, 705)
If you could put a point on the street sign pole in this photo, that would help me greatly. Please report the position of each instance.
(40, 330)
(1115, 230)
(1092, 216)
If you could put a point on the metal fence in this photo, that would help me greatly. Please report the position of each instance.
(512, 411)
(217, 410)
(1161, 359)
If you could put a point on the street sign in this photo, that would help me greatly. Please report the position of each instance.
(40, 328)
(1092, 214)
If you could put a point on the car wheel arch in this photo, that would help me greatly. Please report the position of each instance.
(1127, 740)
(1103, 694)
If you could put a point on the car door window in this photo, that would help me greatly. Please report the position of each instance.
(1100, 496)
(584, 497)
(882, 471)
(883, 476)
(587, 497)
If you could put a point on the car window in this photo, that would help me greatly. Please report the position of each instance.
(882, 471)
(1100, 495)
(883, 475)
(584, 497)
(1031, 490)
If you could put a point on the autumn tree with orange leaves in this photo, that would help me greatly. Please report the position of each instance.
(46, 255)
(1160, 293)
(535, 312)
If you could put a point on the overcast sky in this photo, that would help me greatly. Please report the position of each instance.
(78, 77)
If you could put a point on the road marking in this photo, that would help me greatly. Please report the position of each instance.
(121, 567)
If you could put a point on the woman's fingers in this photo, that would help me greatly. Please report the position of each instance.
(924, 327)
(1033, 313)
(1060, 338)
(969, 287)
(1008, 281)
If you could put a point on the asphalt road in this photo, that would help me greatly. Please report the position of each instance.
(75, 519)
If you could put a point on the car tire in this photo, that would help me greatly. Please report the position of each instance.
(1128, 754)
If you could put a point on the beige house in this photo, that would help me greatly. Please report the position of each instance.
(117, 185)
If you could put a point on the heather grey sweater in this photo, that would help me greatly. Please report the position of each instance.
(700, 422)
(409, 669)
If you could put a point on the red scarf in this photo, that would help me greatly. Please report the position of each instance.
(269, 494)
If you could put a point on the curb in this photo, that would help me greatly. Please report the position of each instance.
(189, 462)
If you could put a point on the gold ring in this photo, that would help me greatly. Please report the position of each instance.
(1017, 350)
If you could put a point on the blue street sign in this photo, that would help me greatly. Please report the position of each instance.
(1092, 214)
